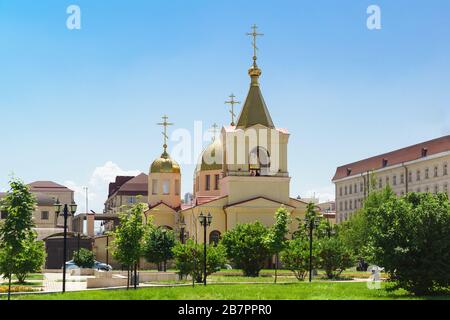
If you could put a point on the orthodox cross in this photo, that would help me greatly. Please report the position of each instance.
(214, 130)
(254, 34)
(232, 102)
(165, 124)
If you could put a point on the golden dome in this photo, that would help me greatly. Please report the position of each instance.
(165, 164)
(211, 158)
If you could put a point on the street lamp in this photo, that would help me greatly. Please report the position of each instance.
(205, 221)
(65, 214)
(311, 221)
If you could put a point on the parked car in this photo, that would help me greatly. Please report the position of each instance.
(97, 265)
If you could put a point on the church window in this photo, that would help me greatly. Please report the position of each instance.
(44, 215)
(410, 177)
(154, 186)
(387, 181)
(361, 187)
(351, 204)
(345, 205)
(355, 188)
(436, 189)
(356, 203)
(435, 171)
(345, 192)
(402, 178)
(350, 190)
(418, 175)
(444, 169)
(177, 187)
(208, 182)
(380, 183)
(259, 161)
(216, 182)
(445, 188)
(340, 191)
(166, 187)
(394, 180)
(214, 237)
(427, 173)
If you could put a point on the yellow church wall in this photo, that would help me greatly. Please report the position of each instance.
(162, 216)
(172, 198)
(240, 188)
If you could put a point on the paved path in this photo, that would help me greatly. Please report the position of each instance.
(53, 282)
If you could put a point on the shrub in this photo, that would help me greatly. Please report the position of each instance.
(247, 247)
(295, 257)
(189, 259)
(84, 258)
(334, 256)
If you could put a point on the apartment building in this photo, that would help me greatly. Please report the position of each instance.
(419, 168)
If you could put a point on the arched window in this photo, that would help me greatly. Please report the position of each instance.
(214, 237)
(259, 161)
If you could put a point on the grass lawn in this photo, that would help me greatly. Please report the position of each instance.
(294, 291)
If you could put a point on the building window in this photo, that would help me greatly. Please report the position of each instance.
(166, 187)
(445, 188)
(418, 175)
(340, 206)
(436, 189)
(154, 186)
(427, 189)
(410, 176)
(394, 180)
(340, 191)
(345, 192)
(427, 173)
(444, 169)
(131, 200)
(208, 182)
(3, 214)
(356, 203)
(361, 187)
(177, 187)
(350, 189)
(216, 182)
(350, 205)
(355, 188)
(402, 178)
(44, 215)
(387, 181)
(435, 171)
(380, 183)
(197, 183)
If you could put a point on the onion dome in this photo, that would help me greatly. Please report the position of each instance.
(211, 158)
(165, 164)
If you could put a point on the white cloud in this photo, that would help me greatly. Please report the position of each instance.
(323, 193)
(97, 186)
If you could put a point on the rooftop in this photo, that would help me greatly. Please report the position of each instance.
(411, 153)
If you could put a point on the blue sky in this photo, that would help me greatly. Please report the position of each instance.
(72, 101)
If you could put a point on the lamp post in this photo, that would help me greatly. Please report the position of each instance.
(65, 214)
(205, 221)
(311, 221)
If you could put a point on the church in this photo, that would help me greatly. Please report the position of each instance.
(241, 177)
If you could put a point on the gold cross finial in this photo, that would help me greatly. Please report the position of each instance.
(254, 34)
(214, 130)
(165, 124)
(232, 102)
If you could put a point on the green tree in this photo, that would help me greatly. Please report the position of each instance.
(334, 256)
(295, 257)
(20, 253)
(127, 244)
(276, 238)
(411, 240)
(189, 259)
(84, 258)
(247, 247)
(158, 246)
